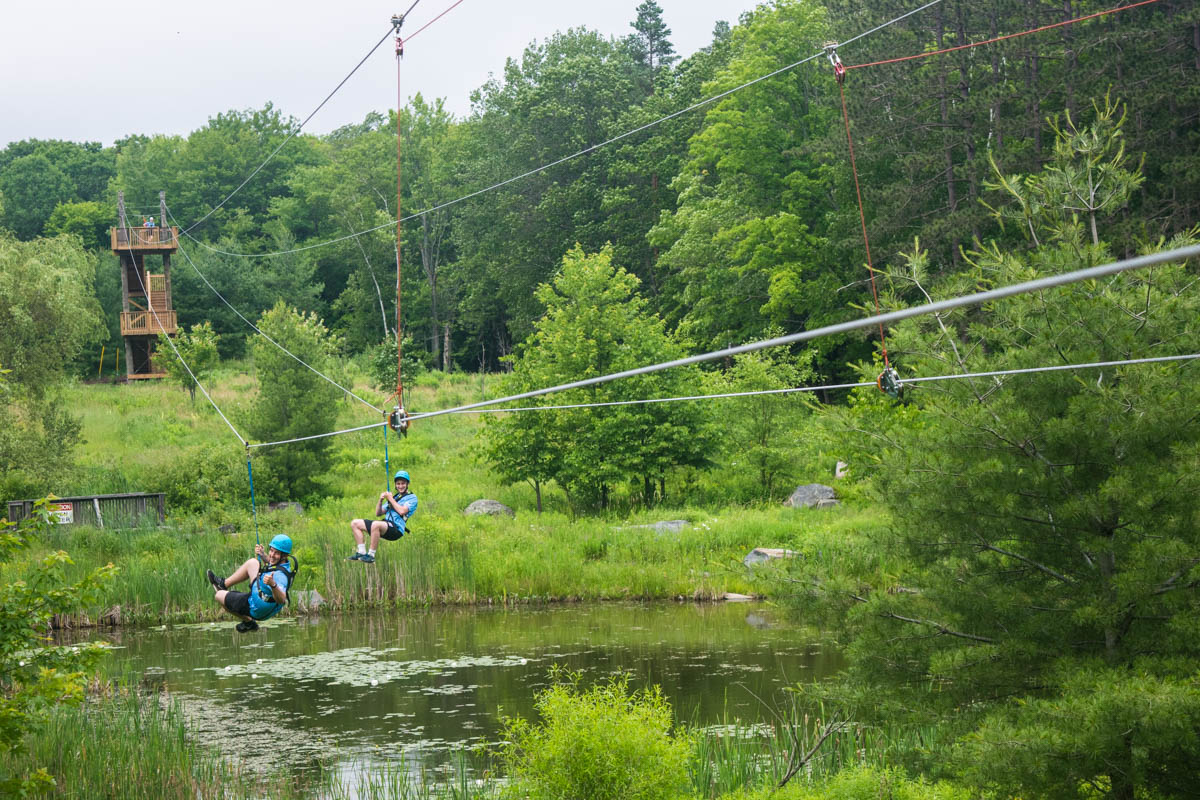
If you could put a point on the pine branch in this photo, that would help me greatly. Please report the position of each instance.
(940, 628)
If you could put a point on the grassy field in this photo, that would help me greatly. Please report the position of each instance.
(148, 436)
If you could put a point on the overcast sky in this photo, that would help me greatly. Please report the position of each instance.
(97, 70)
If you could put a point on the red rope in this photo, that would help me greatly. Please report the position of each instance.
(863, 219)
(427, 24)
(1002, 38)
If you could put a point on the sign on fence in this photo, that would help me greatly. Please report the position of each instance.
(63, 512)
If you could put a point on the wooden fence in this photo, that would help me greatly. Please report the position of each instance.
(100, 510)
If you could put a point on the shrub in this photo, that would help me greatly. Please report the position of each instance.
(599, 743)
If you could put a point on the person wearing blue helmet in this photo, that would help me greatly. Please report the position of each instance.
(396, 509)
(269, 576)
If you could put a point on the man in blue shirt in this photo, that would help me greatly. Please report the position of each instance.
(397, 508)
(269, 578)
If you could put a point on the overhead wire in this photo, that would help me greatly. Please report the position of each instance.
(838, 386)
(260, 332)
(178, 355)
(290, 136)
(1000, 38)
(564, 159)
(1037, 284)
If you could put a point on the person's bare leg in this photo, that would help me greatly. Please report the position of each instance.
(377, 530)
(357, 528)
(247, 571)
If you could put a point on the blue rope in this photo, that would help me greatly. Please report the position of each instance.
(253, 507)
(387, 469)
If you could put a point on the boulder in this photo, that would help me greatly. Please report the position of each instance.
(812, 495)
(228, 529)
(734, 597)
(491, 507)
(285, 506)
(309, 600)
(665, 526)
(761, 555)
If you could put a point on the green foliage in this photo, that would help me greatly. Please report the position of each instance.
(292, 402)
(594, 325)
(34, 676)
(48, 316)
(1044, 524)
(602, 743)
(865, 783)
(49, 312)
(1056, 747)
(36, 176)
(197, 349)
(383, 363)
(90, 220)
(761, 435)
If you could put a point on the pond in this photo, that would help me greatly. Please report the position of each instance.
(427, 686)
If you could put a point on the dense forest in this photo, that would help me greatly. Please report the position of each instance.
(737, 217)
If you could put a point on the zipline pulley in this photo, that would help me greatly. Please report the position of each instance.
(397, 21)
(398, 420)
(839, 69)
(889, 383)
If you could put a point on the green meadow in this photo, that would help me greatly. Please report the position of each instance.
(150, 437)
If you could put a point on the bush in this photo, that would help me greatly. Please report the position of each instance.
(599, 743)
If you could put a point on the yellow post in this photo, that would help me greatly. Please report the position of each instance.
(117, 362)
(100, 368)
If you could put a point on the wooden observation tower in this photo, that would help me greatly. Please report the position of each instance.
(145, 296)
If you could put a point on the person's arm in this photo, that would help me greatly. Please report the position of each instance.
(379, 506)
(403, 510)
(277, 594)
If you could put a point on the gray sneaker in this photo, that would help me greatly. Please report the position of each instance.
(356, 557)
(366, 558)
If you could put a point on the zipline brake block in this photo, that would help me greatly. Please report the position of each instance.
(889, 383)
(839, 69)
(398, 420)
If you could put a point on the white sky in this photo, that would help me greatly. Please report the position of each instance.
(95, 70)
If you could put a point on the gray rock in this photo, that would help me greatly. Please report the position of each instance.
(734, 597)
(810, 495)
(761, 555)
(666, 526)
(492, 507)
(228, 529)
(286, 505)
(308, 600)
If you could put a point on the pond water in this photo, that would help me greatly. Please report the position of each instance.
(427, 686)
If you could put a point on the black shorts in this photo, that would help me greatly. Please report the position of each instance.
(237, 603)
(391, 534)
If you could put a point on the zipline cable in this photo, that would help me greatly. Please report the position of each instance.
(836, 386)
(1050, 281)
(150, 305)
(565, 159)
(264, 335)
(291, 135)
(1001, 38)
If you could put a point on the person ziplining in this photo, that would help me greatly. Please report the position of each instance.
(270, 575)
(396, 509)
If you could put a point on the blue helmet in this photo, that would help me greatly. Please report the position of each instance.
(282, 543)
(402, 474)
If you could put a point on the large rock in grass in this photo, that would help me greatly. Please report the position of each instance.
(286, 506)
(491, 507)
(761, 555)
(665, 526)
(812, 495)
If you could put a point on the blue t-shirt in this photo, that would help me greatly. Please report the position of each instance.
(262, 609)
(392, 516)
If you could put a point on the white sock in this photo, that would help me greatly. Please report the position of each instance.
(362, 548)
(371, 553)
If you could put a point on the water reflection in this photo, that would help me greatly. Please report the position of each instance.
(425, 686)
